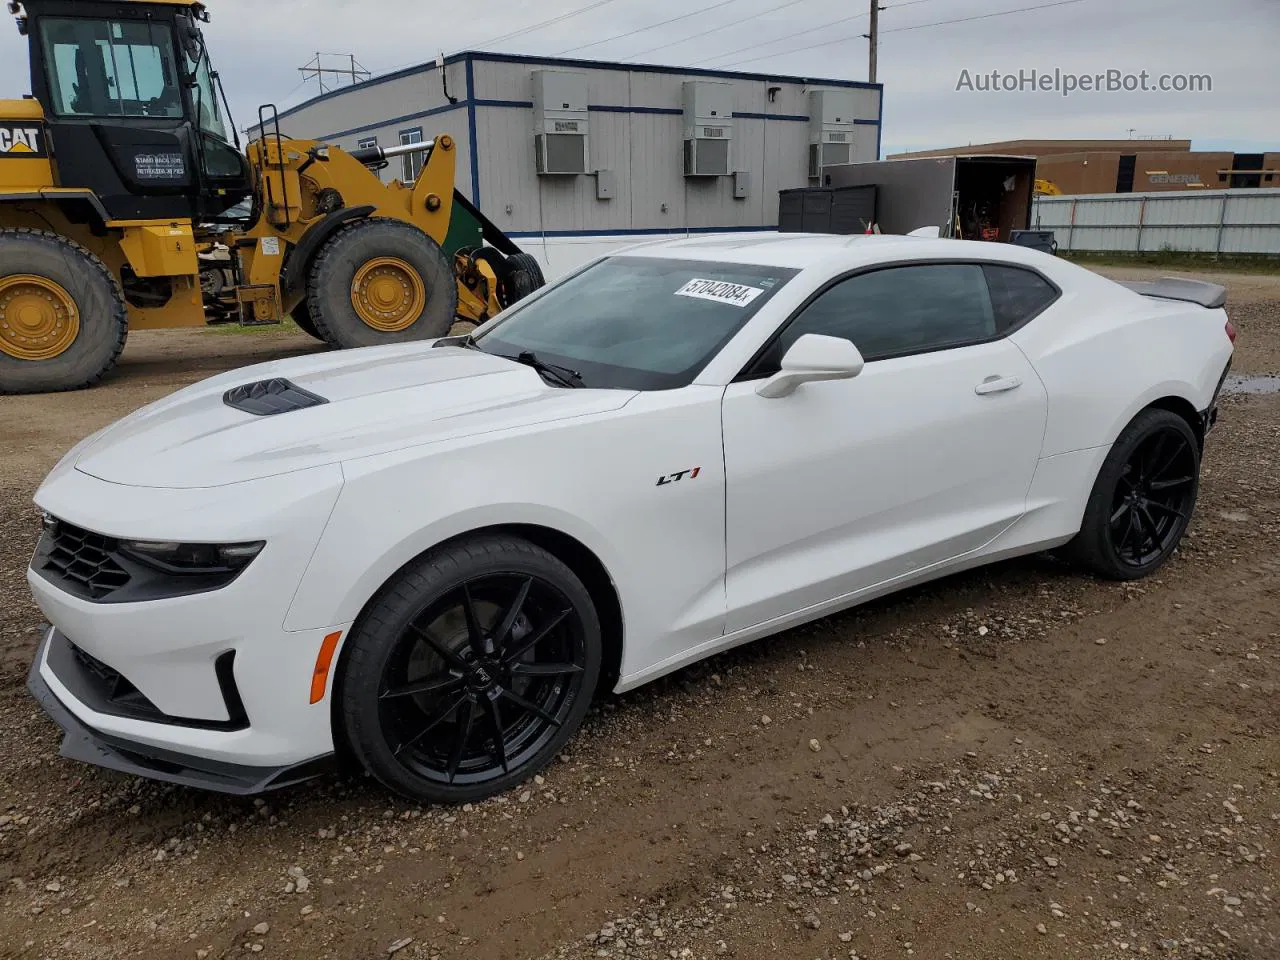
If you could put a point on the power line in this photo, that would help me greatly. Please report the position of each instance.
(550, 21)
(789, 36)
(918, 26)
(578, 11)
(652, 26)
(695, 36)
(801, 33)
(983, 16)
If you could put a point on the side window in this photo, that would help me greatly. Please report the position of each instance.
(896, 311)
(1017, 295)
(411, 164)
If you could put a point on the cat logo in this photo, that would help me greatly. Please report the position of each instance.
(22, 142)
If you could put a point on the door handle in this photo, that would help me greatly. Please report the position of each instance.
(997, 385)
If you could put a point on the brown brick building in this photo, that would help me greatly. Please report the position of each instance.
(1128, 166)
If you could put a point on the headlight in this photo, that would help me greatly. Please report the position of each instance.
(174, 557)
(94, 566)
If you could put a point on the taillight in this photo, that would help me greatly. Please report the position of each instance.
(1231, 331)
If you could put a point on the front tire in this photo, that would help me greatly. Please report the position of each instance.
(380, 281)
(301, 315)
(1142, 499)
(63, 320)
(470, 670)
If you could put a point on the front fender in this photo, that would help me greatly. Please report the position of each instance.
(350, 558)
(294, 280)
(592, 478)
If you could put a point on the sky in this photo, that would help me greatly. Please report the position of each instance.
(257, 45)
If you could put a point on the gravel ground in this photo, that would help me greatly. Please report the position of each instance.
(1013, 762)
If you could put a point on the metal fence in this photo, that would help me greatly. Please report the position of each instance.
(1217, 221)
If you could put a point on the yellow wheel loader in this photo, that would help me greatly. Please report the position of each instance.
(119, 177)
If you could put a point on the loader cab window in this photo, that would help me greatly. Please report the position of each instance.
(111, 68)
(204, 90)
(218, 158)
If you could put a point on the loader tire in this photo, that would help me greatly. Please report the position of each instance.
(63, 319)
(380, 281)
(301, 315)
(524, 276)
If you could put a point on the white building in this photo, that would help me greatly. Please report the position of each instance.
(581, 150)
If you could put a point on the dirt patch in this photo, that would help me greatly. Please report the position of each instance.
(1014, 762)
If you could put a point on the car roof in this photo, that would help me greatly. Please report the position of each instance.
(801, 250)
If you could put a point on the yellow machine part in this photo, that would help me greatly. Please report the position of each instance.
(162, 249)
(291, 182)
(186, 306)
(295, 178)
(388, 294)
(38, 318)
(28, 198)
(24, 157)
(158, 249)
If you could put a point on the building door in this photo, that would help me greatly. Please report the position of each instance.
(1246, 161)
(1124, 173)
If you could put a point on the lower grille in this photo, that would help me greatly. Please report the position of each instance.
(83, 560)
(104, 689)
(114, 688)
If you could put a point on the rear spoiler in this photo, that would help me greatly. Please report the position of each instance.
(1210, 295)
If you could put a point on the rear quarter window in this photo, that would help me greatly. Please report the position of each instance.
(1018, 295)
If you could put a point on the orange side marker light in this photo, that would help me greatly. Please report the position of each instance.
(320, 677)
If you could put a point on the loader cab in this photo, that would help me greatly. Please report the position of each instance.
(134, 110)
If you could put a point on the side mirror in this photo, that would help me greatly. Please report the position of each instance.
(813, 357)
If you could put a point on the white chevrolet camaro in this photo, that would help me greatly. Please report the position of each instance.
(428, 557)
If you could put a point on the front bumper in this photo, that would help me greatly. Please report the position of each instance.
(82, 742)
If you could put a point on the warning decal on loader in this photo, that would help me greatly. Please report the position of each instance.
(160, 166)
(21, 140)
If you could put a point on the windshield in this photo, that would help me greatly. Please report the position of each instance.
(639, 323)
(110, 68)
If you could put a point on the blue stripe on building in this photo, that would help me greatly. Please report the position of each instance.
(471, 105)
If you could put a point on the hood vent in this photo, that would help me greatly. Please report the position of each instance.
(265, 398)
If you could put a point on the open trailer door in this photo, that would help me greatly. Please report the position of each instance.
(993, 196)
(972, 198)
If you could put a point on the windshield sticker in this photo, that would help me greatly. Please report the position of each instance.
(721, 291)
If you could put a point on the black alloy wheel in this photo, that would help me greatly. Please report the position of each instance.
(1143, 498)
(464, 685)
(1153, 499)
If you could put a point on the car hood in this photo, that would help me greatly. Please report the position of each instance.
(377, 399)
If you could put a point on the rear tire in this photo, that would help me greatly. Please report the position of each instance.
(524, 277)
(399, 277)
(1142, 500)
(444, 706)
(85, 319)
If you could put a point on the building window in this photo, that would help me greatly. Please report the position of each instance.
(411, 163)
(364, 143)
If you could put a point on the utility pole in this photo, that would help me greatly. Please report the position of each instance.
(874, 37)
